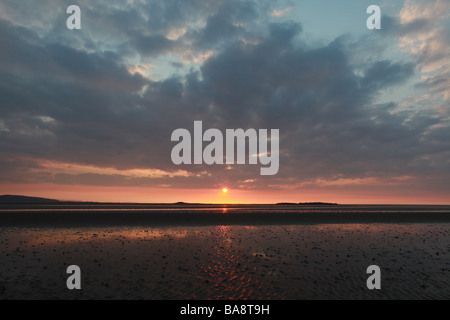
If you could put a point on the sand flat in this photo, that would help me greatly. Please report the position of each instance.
(101, 215)
(312, 261)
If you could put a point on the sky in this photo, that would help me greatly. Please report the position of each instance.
(363, 114)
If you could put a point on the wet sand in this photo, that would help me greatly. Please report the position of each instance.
(296, 261)
(102, 215)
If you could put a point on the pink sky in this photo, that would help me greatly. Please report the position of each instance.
(166, 195)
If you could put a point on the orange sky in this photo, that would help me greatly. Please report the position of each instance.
(170, 195)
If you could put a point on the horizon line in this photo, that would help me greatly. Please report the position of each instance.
(57, 201)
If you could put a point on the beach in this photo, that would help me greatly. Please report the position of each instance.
(81, 215)
(292, 259)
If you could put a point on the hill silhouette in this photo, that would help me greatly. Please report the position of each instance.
(24, 199)
(308, 203)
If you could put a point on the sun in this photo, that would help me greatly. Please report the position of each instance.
(224, 190)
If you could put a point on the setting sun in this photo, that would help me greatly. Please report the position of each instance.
(224, 190)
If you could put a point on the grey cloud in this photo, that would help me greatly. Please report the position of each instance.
(153, 45)
(224, 25)
(330, 126)
(384, 74)
(393, 26)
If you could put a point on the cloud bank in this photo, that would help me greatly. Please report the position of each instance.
(97, 106)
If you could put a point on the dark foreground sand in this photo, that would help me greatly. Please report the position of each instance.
(204, 215)
(297, 261)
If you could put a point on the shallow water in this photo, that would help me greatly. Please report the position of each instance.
(224, 208)
(141, 215)
(327, 261)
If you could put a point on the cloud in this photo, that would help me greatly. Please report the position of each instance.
(431, 45)
(90, 105)
(386, 74)
(281, 12)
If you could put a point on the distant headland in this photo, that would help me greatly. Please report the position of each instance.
(307, 204)
(24, 199)
(19, 199)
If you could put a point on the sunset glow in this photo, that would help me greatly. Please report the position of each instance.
(168, 195)
(360, 115)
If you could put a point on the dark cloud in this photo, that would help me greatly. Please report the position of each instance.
(383, 74)
(393, 26)
(153, 45)
(66, 103)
